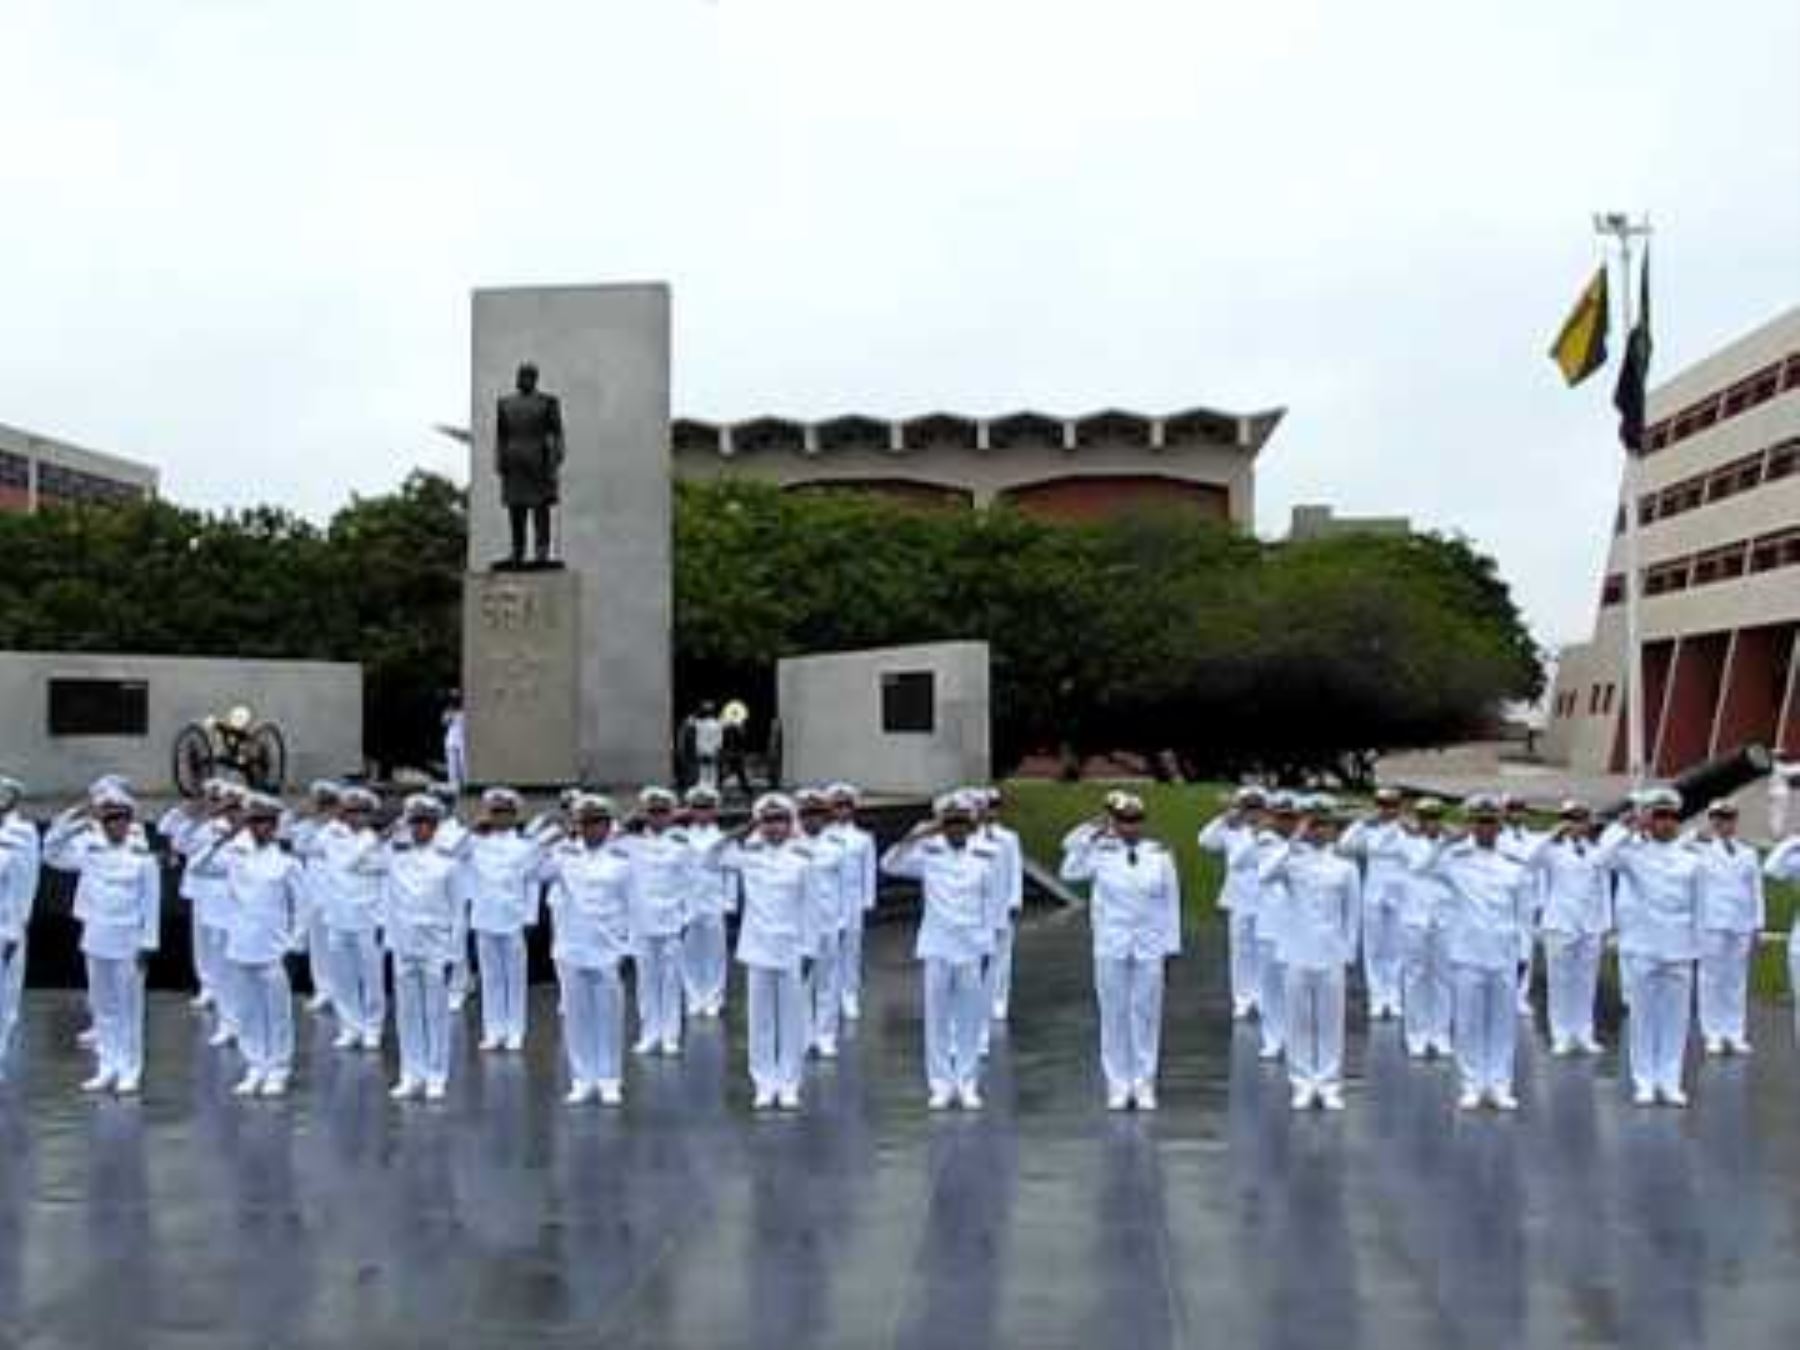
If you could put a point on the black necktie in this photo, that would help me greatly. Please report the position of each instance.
(1131, 855)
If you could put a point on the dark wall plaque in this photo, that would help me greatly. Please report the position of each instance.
(99, 707)
(908, 702)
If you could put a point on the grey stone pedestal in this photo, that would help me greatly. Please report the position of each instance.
(522, 676)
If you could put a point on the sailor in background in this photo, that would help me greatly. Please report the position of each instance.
(1659, 942)
(590, 884)
(959, 875)
(501, 865)
(662, 878)
(1134, 910)
(267, 896)
(118, 897)
(714, 895)
(774, 938)
(1519, 842)
(1426, 993)
(1574, 922)
(1318, 945)
(1011, 863)
(1732, 913)
(1232, 835)
(858, 858)
(1490, 900)
(828, 899)
(301, 831)
(209, 905)
(449, 840)
(1379, 842)
(20, 857)
(350, 897)
(456, 744)
(1273, 906)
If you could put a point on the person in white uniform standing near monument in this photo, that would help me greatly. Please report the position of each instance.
(1732, 913)
(1011, 863)
(1274, 906)
(20, 856)
(1426, 995)
(960, 877)
(662, 877)
(1576, 917)
(351, 898)
(590, 884)
(1380, 843)
(1232, 835)
(714, 895)
(1135, 912)
(859, 863)
(829, 899)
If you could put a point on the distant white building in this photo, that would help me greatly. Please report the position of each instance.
(38, 471)
(1719, 554)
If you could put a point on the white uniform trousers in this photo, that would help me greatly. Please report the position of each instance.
(460, 981)
(593, 1000)
(658, 962)
(1487, 1026)
(12, 988)
(1425, 989)
(116, 994)
(1315, 1026)
(956, 1012)
(1383, 957)
(1271, 1000)
(999, 973)
(777, 1031)
(422, 1017)
(1572, 979)
(825, 993)
(1724, 983)
(703, 967)
(1527, 963)
(318, 957)
(850, 967)
(1130, 992)
(500, 958)
(1246, 963)
(216, 975)
(357, 988)
(265, 1009)
(1660, 1009)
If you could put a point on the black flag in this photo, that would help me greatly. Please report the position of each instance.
(1634, 370)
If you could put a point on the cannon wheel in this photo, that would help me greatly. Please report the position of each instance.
(193, 756)
(265, 758)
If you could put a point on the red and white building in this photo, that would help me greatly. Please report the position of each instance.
(1718, 502)
(39, 471)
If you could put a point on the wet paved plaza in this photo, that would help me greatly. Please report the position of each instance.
(504, 1218)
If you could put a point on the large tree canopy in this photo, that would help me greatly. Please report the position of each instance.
(1154, 633)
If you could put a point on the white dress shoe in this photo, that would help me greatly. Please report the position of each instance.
(220, 1037)
(671, 1049)
(1589, 1046)
(406, 1089)
(248, 1086)
(200, 1002)
(578, 1094)
(87, 1039)
(1504, 1100)
(1119, 1099)
(1331, 1099)
(1675, 1096)
(275, 1085)
(371, 1040)
(764, 1099)
(490, 1043)
(346, 1040)
(970, 1097)
(1643, 1095)
(788, 1099)
(1469, 1101)
(100, 1082)
(1714, 1046)
(644, 1047)
(828, 1050)
(1145, 1096)
(1301, 1100)
(435, 1089)
(940, 1098)
(1269, 1052)
(1740, 1046)
(611, 1094)
(127, 1086)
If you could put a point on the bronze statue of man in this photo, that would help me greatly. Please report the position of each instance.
(528, 455)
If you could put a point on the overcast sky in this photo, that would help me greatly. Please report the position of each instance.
(237, 236)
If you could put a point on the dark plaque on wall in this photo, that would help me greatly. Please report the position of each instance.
(99, 707)
(908, 700)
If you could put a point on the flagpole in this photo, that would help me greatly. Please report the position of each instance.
(1622, 229)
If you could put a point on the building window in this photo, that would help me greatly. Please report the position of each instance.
(1719, 564)
(1606, 704)
(1613, 590)
(99, 707)
(1750, 392)
(908, 702)
(15, 471)
(1667, 576)
(1784, 459)
(59, 484)
(1772, 551)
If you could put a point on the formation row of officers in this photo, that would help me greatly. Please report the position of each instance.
(1446, 923)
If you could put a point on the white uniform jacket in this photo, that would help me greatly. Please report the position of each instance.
(1134, 904)
(590, 889)
(963, 900)
(1577, 892)
(267, 898)
(1382, 848)
(662, 876)
(421, 900)
(19, 861)
(776, 931)
(859, 865)
(1011, 862)
(119, 894)
(1323, 899)
(1426, 899)
(348, 891)
(825, 893)
(714, 893)
(1731, 886)
(1490, 902)
(1662, 920)
(500, 877)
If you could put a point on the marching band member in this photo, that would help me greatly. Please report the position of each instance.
(501, 866)
(350, 896)
(1273, 905)
(590, 886)
(1012, 894)
(1135, 913)
(119, 900)
(1232, 835)
(1732, 913)
(1519, 842)
(1318, 944)
(662, 868)
(421, 900)
(1380, 843)
(1576, 917)
(301, 834)
(829, 899)
(859, 891)
(774, 938)
(960, 878)
(1659, 940)
(1426, 994)
(1490, 900)
(267, 897)
(20, 856)
(714, 895)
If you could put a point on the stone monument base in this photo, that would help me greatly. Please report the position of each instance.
(522, 676)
